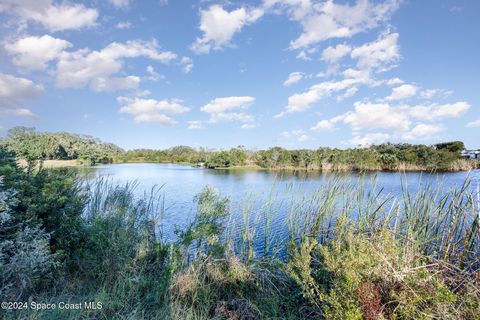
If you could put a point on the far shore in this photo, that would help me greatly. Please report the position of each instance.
(76, 163)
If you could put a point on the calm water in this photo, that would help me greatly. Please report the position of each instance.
(243, 187)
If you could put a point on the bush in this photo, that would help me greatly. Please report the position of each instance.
(25, 257)
(358, 276)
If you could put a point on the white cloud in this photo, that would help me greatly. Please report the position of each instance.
(350, 92)
(300, 102)
(473, 124)
(120, 3)
(219, 105)
(21, 112)
(229, 109)
(428, 94)
(369, 139)
(13, 91)
(368, 116)
(114, 83)
(302, 55)
(84, 67)
(423, 131)
(54, 17)
(195, 124)
(248, 126)
(151, 110)
(219, 26)
(101, 70)
(376, 116)
(293, 78)
(333, 54)
(327, 125)
(34, 53)
(187, 64)
(434, 112)
(394, 81)
(327, 20)
(378, 55)
(123, 25)
(404, 91)
(154, 76)
(298, 135)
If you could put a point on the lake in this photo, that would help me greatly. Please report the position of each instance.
(247, 189)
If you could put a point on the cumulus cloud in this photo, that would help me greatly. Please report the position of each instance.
(404, 91)
(350, 92)
(219, 105)
(402, 121)
(101, 70)
(301, 102)
(248, 126)
(153, 75)
(371, 57)
(376, 116)
(293, 78)
(123, 25)
(434, 112)
(327, 125)
(114, 83)
(229, 109)
(333, 54)
(423, 131)
(379, 55)
(54, 17)
(85, 67)
(394, 81)
(187, 64)
(151, 110)
(369, 139)
(298, 135)
(219, 26)
(120, 3)
(474, 124)
(195, 124)
(13, 91)
(34, 53)
(326, 20)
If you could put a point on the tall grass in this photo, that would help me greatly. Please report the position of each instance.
(442, 222)
(348, 250)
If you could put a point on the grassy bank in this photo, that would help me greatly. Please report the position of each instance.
(345, 252)
(458, 165)
(52, 163)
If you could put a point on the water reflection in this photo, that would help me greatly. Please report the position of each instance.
(250, 189)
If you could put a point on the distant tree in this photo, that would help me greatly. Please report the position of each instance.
(453, 146)
(31, 145)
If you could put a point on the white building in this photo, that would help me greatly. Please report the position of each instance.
(471, 154)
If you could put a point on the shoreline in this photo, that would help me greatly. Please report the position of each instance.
(466, 166)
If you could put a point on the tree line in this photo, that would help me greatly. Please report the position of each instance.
(31, 145)
(442, 156)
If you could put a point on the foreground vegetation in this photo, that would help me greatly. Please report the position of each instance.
(31, 145)
(345, 252)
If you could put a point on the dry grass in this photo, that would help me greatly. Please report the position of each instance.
(52, 163)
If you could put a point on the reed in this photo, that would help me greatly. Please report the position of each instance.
(347, 250)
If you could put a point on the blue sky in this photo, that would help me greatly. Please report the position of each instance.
(293, 73)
